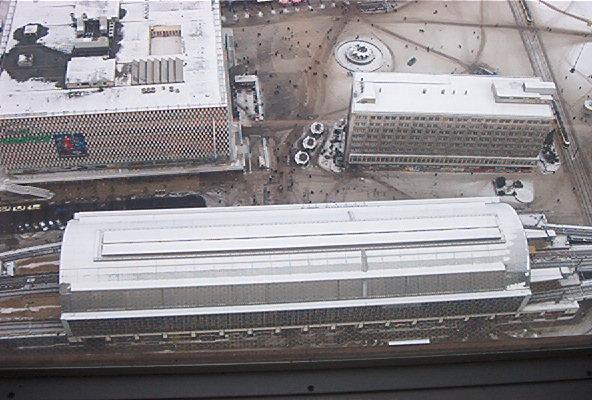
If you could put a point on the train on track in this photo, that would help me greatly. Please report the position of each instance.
(560, 126)
(526, 11)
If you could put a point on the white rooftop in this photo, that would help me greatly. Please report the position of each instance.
(31, 29)
(471, 95)
(286, 243)
(90, 69)
(201, 53)
(96, 8)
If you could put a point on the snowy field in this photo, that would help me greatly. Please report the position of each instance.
(567, 52)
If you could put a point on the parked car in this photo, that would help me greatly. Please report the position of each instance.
(43, 226)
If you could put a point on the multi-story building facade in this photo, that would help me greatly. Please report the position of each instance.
(288, 268)
(101, 85)
(455, 120)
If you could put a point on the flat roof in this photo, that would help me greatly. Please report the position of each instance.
(290, 243)
(90, 69)
(474, 95)
(23, 94)
(97, 8)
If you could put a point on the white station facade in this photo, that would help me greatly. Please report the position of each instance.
(268, 267)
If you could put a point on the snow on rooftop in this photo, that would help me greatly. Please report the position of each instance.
(97, 8)
(201, 53)
(238, 245)
(31, 29)
(474, 95)
(90, 70)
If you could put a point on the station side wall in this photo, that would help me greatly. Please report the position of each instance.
(187, 323)
(277, 293)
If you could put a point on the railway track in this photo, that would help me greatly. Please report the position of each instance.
(28, 252)
(12, 286)
(44, 289)
(12, 330)
(577, 166)
(27, 281)
(582, 260)
(578, 293)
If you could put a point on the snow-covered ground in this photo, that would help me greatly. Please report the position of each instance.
(517, 191)
(569, 51)
(436, 24)
(553, 194)
(326, 159)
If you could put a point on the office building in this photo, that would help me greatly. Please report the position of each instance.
(448, 120)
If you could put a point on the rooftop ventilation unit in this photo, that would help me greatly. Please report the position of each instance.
(31, 30)
(149, 72)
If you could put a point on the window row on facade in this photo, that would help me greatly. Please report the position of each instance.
(458, 161)
(440, 138)
(449, 118)
(293, 317)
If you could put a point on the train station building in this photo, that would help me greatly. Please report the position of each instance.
(272, 268)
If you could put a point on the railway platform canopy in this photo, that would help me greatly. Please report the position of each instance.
(179, 262)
